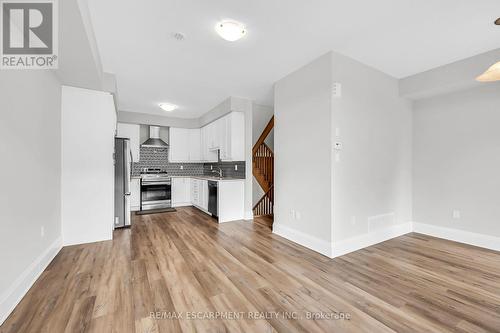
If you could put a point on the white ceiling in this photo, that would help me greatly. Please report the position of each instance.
(399, 37)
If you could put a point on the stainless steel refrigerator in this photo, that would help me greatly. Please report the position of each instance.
(123, 165)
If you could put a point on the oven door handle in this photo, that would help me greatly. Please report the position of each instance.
(155, 183)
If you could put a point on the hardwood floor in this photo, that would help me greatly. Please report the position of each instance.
(179, 264)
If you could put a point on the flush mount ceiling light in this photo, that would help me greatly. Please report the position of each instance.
(168, 107)
(230, 30)
(492, 74)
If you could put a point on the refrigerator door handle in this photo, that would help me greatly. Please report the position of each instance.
(127, 216)
(127, 165)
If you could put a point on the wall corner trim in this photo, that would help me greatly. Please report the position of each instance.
(249, 215)
(371, 238)
(311, 242)
(15, 293)
(457, 235)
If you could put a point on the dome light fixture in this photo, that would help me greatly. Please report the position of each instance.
(230, 30)
(168, 107)
(491, 74)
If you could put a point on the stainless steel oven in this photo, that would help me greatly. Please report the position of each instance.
(156, 191)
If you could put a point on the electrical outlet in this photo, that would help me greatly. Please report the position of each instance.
(42, 231)
(236, 167)
(297, 215)
(211, 167)
(456, 214)
(337, 90)
(182, 167)
(292, 213)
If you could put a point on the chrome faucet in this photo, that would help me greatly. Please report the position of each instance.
(219, 172)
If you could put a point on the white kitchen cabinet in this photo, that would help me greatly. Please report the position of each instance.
(185, 145)
(210, 136)
(231, 201)
(204, 194)
(226, 135)
(199, 193)
(178, 145)
(232, 147)
(195, 145)
(135, 194)
(230, 198)
(195, 194)
(207, 154)
(132, 132)
(181, 192)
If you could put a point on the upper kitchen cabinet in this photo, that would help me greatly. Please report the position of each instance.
(226, 134)
(178, 145)
(132, 132)
(185, 145)
(207, 154)
(232, 140)
(194, 137)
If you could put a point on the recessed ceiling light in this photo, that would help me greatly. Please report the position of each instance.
(168, 107)
(230, 30)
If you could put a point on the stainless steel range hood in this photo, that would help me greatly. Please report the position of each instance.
(154, 138)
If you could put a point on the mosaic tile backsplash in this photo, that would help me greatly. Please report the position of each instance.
(158, 158)
(227, 169)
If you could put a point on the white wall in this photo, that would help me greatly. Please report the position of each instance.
(372, 179)
(343, 200)
(30, 194)
(302, 132)
(88, 129)
(457, 160)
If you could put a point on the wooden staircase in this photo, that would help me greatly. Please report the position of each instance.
(263, 171)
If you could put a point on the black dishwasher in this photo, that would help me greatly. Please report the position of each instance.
(212, 198)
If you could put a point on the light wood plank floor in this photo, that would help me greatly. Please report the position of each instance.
(177, 263)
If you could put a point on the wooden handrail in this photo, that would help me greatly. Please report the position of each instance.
(263, 136)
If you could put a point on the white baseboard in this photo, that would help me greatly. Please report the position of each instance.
(303, 239)
(359, 242)
(340, 248)
(13, 295)
(461, 236)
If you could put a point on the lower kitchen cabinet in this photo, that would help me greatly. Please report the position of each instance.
(181, 192)
(194, 191)
(135, 194)
(199, 193)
